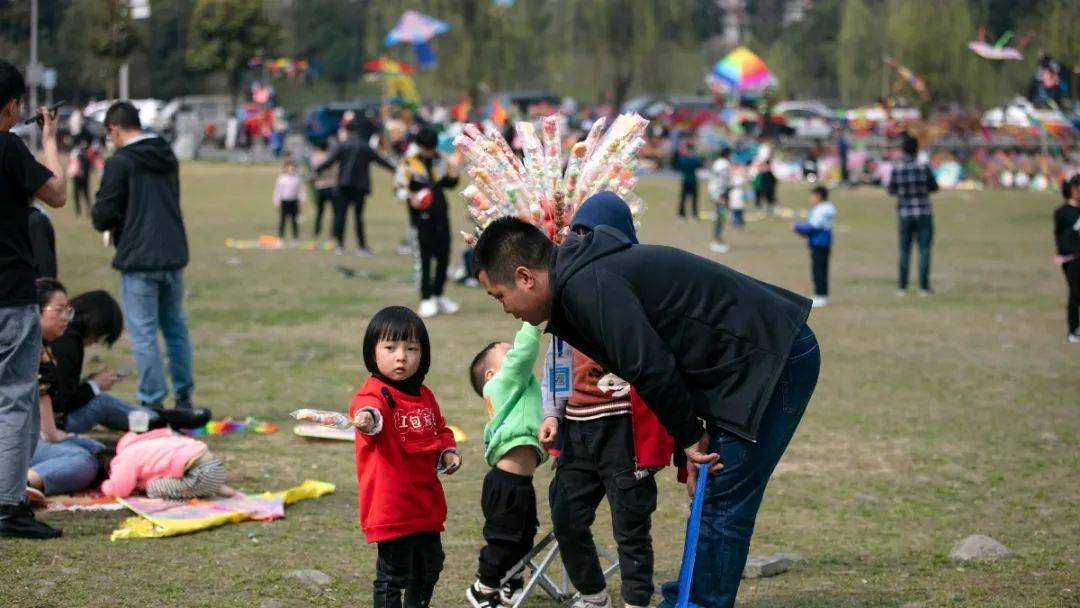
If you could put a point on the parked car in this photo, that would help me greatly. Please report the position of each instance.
(807, 119)
(322, 121)
(1019, 113)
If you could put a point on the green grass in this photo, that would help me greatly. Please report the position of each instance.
(934, 418)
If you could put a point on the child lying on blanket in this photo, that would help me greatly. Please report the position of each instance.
(165, 465)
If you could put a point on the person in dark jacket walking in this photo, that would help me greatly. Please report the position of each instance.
(1067, 240)
(727, 362)
(138, 204)
(687, 163)
(426, 175)
(354, 158)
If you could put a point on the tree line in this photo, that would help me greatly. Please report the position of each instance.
(594, 50)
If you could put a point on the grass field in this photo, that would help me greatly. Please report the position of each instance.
(934, 418)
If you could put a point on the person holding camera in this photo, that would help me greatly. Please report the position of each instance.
(22, 178)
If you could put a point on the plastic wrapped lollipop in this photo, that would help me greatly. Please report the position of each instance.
(335, 420)
(552, 138)
(534, 158)
(504, 149)
(593, 138)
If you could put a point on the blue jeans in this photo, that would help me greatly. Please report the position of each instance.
(67, 466)
(922, 230)
(106, 410)
(20, 419)
(734, 494)
(154, 300)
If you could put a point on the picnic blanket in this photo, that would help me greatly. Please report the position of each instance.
(160, 518)
(227, 426)
(269, 242)
(91, 500)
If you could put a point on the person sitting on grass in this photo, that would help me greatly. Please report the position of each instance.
(502, 374)
(817, 230)
(62, 462)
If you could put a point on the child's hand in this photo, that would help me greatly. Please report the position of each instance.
(549, 430)
(450, 462)
(364, 421)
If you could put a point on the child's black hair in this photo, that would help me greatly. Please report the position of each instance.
(98, 315)
(397, 323)
(477, 368)
(821, 191)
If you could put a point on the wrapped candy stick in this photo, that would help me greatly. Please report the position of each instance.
(552, 140)
(594, 135)
(335, 420)
(507, 153)
(534, 158)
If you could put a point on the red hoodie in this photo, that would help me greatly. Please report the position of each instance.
(399, 490)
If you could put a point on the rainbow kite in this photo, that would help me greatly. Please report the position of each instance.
(742, 70)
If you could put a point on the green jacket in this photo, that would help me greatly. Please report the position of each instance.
(513, 400)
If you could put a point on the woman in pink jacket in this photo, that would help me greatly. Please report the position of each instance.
(165, 465)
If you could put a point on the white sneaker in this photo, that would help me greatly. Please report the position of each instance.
(364, 252)
(901, 293)
(718, 247)
(819, 301)
(339, 251)
(594, 601)
(447, 306)
(471, 282)
(428, 308)
(926, 292)
(1074, 338)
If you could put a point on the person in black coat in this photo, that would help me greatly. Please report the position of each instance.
(354, 158)
(1067, 242)
(43, 243)
(727, 362)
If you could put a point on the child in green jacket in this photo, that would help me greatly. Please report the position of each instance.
(503, 375)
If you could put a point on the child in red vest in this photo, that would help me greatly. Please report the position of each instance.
(402, 443)
(611, 444)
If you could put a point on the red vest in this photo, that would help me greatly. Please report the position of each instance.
(399, 492)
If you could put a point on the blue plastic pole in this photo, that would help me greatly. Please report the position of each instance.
(693, 530)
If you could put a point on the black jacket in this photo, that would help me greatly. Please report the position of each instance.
(70, 392)
(355, 158)
(139, 201)
(697, 339)
(1067, 229)
(43, 243)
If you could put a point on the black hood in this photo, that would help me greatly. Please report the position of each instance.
(152, 154)
(577, 251)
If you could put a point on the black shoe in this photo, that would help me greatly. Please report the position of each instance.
(479, 599)
(511, 590)
(17, 521)
(184, 418)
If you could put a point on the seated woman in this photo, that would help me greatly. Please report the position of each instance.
(62, 462)
(80, 404)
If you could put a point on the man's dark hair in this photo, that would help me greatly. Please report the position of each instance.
(98, 315)
(909, 145)
(46, 287)
(397, 323)
(822, 192)
(508, 243)
(124, 115)
(12, 84)
(427, 138)
(477, 368)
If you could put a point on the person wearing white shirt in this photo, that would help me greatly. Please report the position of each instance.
(719, 191)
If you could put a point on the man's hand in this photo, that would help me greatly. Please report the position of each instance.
(549, 431)
(48, 125)
(53, 192)
(54, 436)
(105, 379)
(697, 455)
(450, 462)
(364, 421)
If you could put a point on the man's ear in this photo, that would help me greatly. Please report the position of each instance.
(524, 277)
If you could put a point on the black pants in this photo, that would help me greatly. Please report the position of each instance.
(410, 564)
(288, 211)
(766, 191)
(434, 238)
(322, 197)
(508, 502)
(819, 269)
(349, 197)
(82, 191)
(598, 460)
(1072, 276)
(689, 191)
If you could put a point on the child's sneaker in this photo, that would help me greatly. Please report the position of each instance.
(511, 590)
(1074, 338)
(478, 598)
(597, 600)
(428, 308)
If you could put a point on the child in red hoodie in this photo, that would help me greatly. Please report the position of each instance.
(402, 443)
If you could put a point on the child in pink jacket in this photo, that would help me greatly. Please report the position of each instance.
(165, 465)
